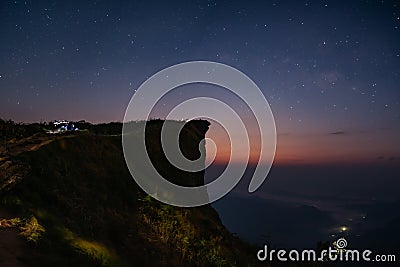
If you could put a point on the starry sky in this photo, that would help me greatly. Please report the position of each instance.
(329, 69)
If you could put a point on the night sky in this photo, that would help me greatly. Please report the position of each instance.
(329, 69)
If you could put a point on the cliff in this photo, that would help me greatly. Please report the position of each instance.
(70, 201)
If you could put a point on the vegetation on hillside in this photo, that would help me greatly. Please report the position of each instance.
(78, 205)
(11, 131)
(75, 204)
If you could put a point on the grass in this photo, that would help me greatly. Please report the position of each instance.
(94, 250)
(29, 228)
(177, 228)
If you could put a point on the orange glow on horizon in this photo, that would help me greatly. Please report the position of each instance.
(316, 149)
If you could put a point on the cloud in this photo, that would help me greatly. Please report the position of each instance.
(338, 133)
(348, 132)
(389, 158)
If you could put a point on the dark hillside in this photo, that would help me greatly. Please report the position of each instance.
(69, 200)
(77, 205)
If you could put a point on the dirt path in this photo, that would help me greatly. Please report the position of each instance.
(30, 144)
